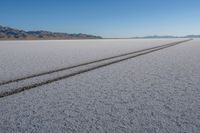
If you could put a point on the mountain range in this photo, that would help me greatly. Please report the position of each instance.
(7, 33)
(156, 36)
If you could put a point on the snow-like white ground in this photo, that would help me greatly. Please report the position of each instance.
(23, 58)
(158, 92)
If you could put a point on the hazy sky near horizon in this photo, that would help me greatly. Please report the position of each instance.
(108, 18)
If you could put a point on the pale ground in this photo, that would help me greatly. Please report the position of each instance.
(22, 58)
(158, 92)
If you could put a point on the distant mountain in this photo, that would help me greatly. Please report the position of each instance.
(7, 33)
(156, 36)
(192, 36)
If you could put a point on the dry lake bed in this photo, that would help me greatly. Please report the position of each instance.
(111, 85)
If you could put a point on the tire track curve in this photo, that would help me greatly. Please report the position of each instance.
(15, 86)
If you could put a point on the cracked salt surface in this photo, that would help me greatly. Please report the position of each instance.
(158, 92)
(24, 58)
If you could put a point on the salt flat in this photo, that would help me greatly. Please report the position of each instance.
(23, 58)
(158, 92)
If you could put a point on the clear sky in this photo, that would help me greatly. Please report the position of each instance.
(108, 18)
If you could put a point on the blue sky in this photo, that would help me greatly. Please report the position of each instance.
(108, 18)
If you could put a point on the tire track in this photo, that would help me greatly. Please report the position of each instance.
(74, 70)
(74, 66)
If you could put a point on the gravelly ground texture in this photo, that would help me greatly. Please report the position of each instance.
(154, 93)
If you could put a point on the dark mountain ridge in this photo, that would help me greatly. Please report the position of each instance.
(7, 33)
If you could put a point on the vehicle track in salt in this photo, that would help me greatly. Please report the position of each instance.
(15, 86)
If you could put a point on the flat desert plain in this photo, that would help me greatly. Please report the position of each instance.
(111, 85)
